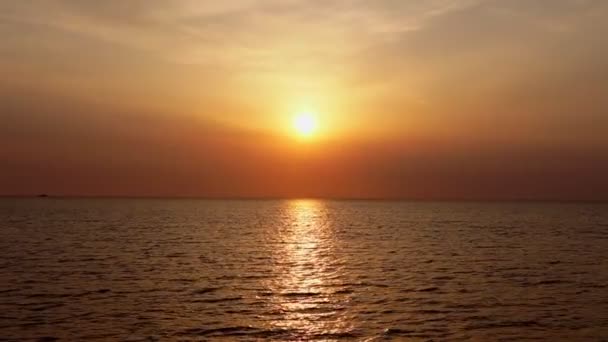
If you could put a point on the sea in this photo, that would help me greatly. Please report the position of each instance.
(302, 270)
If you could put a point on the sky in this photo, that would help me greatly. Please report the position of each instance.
(426, 99)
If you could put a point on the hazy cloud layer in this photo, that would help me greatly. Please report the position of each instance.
(439, 93)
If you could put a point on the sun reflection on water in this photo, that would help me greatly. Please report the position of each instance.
(309, 272)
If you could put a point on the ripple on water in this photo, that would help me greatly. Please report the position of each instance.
(139, 270)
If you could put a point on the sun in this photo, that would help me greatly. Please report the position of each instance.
(305, 124)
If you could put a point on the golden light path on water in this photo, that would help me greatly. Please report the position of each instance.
(310, 272)
(199, 270)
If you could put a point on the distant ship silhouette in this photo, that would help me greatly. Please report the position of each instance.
(43, 196)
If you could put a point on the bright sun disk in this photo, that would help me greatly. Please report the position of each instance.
(305, 124)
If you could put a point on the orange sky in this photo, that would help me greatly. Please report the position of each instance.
(436, 99)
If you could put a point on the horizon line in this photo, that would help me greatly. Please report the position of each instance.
(293, 198)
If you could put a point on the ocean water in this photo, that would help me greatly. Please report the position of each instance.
(304, 270)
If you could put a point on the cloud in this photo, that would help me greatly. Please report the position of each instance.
(534, 70)
(469, 53)
(460, 92)
(251, 31)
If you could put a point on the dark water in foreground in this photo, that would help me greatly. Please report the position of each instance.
(302, 270)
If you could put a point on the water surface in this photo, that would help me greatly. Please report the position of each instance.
(129, 269)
